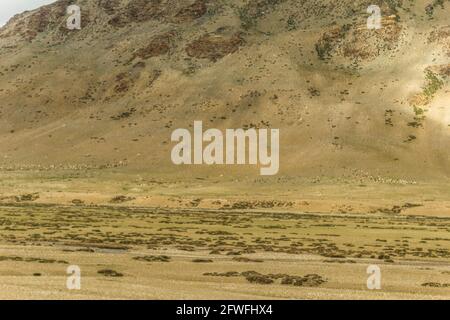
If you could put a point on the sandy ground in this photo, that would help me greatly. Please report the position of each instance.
(182, 279)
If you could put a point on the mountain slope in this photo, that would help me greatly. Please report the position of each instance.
(348, 101)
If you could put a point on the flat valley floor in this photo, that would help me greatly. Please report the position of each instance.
(220, 248)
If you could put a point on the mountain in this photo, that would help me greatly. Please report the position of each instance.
(350, 102)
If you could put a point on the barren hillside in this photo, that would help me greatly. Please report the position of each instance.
(349, 102)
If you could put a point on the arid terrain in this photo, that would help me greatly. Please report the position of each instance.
(86, 177)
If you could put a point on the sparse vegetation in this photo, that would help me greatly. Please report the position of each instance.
(121, 199)
(433, 85)
(110, 273)
(153, 258)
